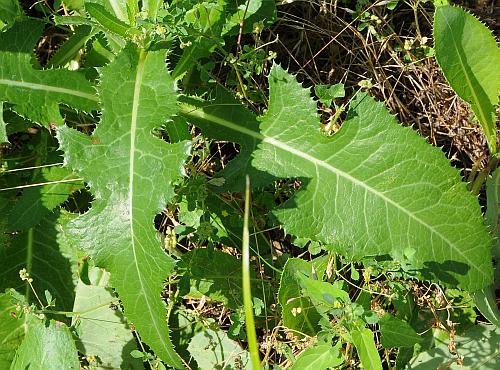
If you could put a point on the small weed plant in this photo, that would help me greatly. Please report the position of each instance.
(171, 197)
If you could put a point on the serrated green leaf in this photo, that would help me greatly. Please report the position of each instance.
(492, 216)
(177, 129)
(12, 327)
(485, 299)
(48, 345)
(397, 333)
(102, 330)
(367, 350)
(131, 172)
(298, 311)
(214, 350)
(374, 188)
(116, 7)
(70, 48)
(478, 349)
(37, 93)
(107, 20)
(321, 357)
(469, 57)
(48, 258)
(217, 275)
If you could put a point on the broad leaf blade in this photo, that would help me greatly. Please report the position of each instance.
(48, 345)
(320, 357)
(212, 120)
(298, 311)
(374, 188)
(130, 171)
(37, 93)
(367, 351)
(469, 57)
(397, 333)
(103, 331)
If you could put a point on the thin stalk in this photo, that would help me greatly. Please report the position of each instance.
(40, 184)
(247, 294)
(33, 167)
(478, 182)
(77, 313)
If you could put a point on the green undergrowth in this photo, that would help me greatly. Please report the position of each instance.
(172, 198)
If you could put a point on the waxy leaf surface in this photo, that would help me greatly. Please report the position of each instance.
(130, 172)
(374, 188)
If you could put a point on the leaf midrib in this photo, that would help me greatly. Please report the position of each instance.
(189, 111)
(49, 88)
(131, 190)
(133, 132)
(462, 64)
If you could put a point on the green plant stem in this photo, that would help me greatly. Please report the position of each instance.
(478, 182)
(76, 313)
(247, 294)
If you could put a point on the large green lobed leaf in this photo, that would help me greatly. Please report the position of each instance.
(130, 172)
(374, 188)
(469, 57)
(36, 94)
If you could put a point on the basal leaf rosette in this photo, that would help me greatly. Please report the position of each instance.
(130, 172)
(374, 188)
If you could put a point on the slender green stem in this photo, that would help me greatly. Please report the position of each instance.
(247, 294)
(77, 313)
(478, 182)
